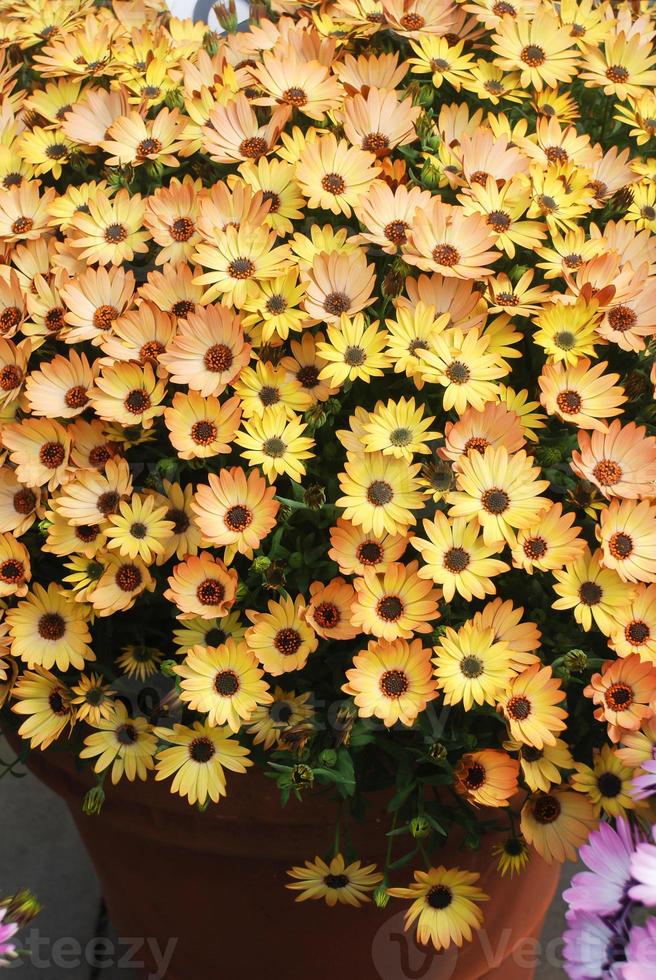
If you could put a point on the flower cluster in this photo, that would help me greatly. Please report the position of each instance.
(326, 403)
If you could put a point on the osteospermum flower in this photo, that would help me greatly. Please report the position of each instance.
(235, 511)
(238, 260)
(581, 393)
(593, 591)
(627, 534)
(134, 140)
(394, 603)
(139, 660)
(378, 121)
(128, 393)
(18, 503)
(139, 528)
(557, 823)
(305, 85)
(280, 638)
(197, 760)
(354, 549)
(202, 586)
(623, 692)
(121, 582)
(398, 429)
(530, 706)
(234, 133)
(471, 665)
(607, 783)
(501, 492)
(208, 352)
(276, 444)
(620, 462)
(634, 630)
(46, 702)
(40, 450)
(464, 367)
(171, 216)
(568, 332)
(444, 239)
(387, 214)
(329, 610)
(333, 175)
(335, 883)
(94, 494)
(353, 349)
(287, 712)
(338, 284)
(92, 698)
(263, 386)
(539, 48)
(94, 302)
(391, 681)
(456, 558)
(111, 233)
(624, 67)
(553, 542)
(380, 493)
(15, 570)
(46, 628)
(276, 308)
(24, 211)
(59, 389)
(487, 778)
(507, 624)
(125, 744)
(444, 905)
(201, 427)
(476, 429)
(223, 682)
(542, 768)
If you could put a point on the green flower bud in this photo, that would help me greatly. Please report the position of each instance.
(437, 751)
(575, 661)
(93, 801)
(381, 898)
(419, 827)
(261, 563)
(167, 667)
(314, 496)
(302, 775)
(328, 758)
(21, 907)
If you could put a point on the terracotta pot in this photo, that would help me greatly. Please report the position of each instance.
(215, 881)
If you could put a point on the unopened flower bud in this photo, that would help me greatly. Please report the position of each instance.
(328, 758)
(302, 775)
(575, 661)
(437, 751)
(167, 667)
(314, 496)
(419, 827)
(93, 801)
(261, 563)
(381, 898)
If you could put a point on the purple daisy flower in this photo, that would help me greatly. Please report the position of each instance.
(7, 931)
(644, 785)
(641, 953)
(603, 889)
(593, 948)
(643, 872)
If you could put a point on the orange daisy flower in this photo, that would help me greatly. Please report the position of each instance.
(281, 639)
(171, 217)
(202, 586)
(529, 707)
(329, 610)
(395, 602)
(202, 427)
(354, 550)
(208, 352)
(581, 393)
(333, 175)
(620, 462)
(391, 681)
(487, 778)
(627, 534)
(445, 239)
(624, 693)
(235, 511)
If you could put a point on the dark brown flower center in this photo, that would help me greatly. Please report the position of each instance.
(327, 615)
(182, 308)
(637, 632)
(369, 553)
(412, 21)
(518, 708)
(620, 545)
(238, 518)
(535, 548)
(609, 785)
(532, 55)
(12, 571)
(104, 316)
(24, 501)
(619, 697)
(137, 401)
(115, 234)
(336, 881)
(617, 74)
(458, 373)
(389, 608)
(76, 397)
(269, 395)
(337, 303)
(590, 593)
(54, 319)
(475, 776)
(182, 229)
(294, 96)
(52, 455)
(569, 402)
(394, 683)
(499, 221)
(287, 641)
(241, 268)
(218, 358)
(51, 626)
(439, 897)
(471, 666)
(333, 184)
(456, 560)
(546, 809)
(126, 735)
(376, 143)
(396, 232)
(22, 226)
(253, 147)
(622, 318)
(495, 500)
(226, 683)
(148, 147)
(379, 493)
(10, 317)
(203, 432)
(210, 592)
(308, 376)
(201, 750)
(11, 377)
(446, 255)
(128, 578)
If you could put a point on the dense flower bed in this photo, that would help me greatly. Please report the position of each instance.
(326, 391)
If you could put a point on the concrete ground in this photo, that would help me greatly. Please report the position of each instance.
(39, 849)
